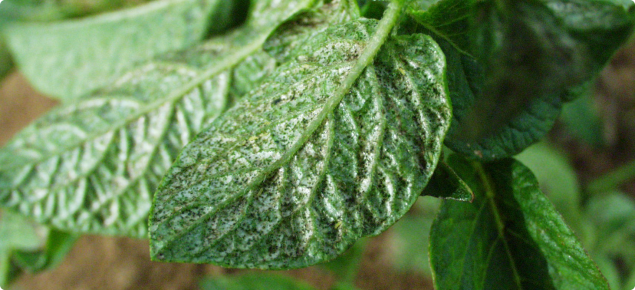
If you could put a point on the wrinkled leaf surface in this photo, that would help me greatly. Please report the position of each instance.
(93, 166)
(289, 177)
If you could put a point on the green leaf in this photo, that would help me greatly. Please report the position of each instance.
(612, 214)
(466, 80)
(93, 166)
(67, 59)
(467, 83)
(446, 184)
(513, 63)
(372, 9)
(328, 150)
(45, 10)
(5, 268)
(610, 271)
(510, 237)
(558, 180)
(32, 247)
(17, 232)
(254, 281)
(448, 19)
(58, 244)
(295, 31)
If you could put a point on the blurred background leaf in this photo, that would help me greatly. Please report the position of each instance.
(50, 10)
(28, 246)
(68, 58)
(583, 121)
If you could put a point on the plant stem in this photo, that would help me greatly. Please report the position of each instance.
(612, 179)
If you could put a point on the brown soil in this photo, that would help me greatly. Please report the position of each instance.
(19, 105)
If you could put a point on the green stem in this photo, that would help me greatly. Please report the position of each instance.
(612, 179)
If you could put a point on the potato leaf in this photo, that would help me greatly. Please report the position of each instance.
(558, 181)
(50, 10)
(295, 31)
(93, 166)
(330, 149)
(510, 237)
(448, 19)
(513, 63)
(69, 58)
(18, 234)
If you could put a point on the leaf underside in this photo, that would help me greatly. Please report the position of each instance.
(258, 190)
(67, 59)
(510, 237)
(94, 165)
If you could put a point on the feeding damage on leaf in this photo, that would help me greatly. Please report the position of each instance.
(92, 166)
(303, 167)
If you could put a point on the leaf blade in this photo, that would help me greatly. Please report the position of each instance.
(240, 196)
(516, 238)
(67, 59)
(108, 152)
